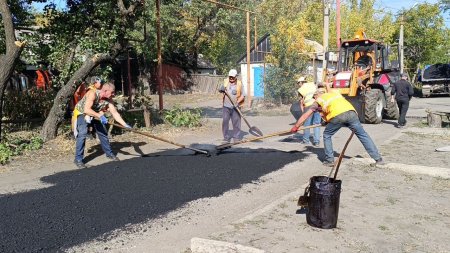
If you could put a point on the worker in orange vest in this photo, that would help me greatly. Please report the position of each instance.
(43, 78)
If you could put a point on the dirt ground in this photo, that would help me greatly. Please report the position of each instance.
(381, 209)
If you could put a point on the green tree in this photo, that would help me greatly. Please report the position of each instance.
(288, 59)
(425, 35)
(83, 37)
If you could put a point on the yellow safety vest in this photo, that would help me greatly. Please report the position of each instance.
(238, 89)
(307, 91)
(333, 104)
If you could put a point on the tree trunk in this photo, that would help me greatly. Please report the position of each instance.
(13, 50)
(56, 115)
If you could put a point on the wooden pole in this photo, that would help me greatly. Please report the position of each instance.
(249, 92)
(159, 66)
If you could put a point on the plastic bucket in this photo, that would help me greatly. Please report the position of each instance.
(323, 202)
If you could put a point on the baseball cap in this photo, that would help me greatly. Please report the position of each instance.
(301, 79)
(232, 73)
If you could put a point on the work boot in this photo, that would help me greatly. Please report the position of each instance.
(328, 164)
(80, 164)
(113, 158)
(379, 162)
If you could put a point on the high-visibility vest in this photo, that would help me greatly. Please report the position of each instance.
(42, 79)
(307, 91)
(333, 104)
(238, 89)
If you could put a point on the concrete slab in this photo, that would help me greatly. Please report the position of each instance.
(200, 245)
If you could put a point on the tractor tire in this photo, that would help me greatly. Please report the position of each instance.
(390, 111)
(373, 108)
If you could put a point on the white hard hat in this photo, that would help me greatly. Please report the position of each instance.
(301, 79)
(232, 73)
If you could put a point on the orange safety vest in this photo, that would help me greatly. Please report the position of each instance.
(42, 79)
(238, 89)
(333, 104)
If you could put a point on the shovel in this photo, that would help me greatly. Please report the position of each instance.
(252, 129)
(163, 140)
(224, 146)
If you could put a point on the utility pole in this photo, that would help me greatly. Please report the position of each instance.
(338, 24)
(400, 43)
(326, 27)
(249, 94)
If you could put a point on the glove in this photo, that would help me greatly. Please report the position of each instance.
(294, 129)
(323, 123)
(222, 89)
(127, 126)
(103, 119)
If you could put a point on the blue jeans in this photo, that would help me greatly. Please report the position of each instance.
(314, 119)
(82, 128)
(348, 119)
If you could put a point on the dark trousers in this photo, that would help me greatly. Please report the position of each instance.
(227, 114)
(403, 106)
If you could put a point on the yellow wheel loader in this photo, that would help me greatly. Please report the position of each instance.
(366, 69)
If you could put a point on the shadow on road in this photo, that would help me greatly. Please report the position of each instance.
(88, 204)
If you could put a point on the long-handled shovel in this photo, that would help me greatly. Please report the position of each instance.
(341, 155)
(252, 129)
(163, 140)
(224, 146)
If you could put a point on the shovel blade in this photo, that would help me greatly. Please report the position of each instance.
(255, 131)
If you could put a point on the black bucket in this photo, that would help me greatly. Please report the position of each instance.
(323, 202)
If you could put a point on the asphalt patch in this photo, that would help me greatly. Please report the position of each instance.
(83, 205)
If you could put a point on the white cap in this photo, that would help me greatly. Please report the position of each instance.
(232, 73)
(301, 79)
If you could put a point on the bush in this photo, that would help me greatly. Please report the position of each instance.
(16, 146)
(33, 103)
(183, 118)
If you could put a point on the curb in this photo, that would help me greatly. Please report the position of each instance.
(413, 169)
(200, 245)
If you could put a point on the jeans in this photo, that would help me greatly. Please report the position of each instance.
(82, 128)
(403, 106)
(227, 114)
(314, 119)
(348, 119)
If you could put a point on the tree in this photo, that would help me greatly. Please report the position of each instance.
(84, 21)
(425, 35)
(13, 49)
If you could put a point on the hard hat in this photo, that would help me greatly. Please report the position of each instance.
(301, 79)
(232, 73)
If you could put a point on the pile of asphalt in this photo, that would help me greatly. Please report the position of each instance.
(87, 204)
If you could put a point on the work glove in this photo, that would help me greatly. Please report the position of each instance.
(222, 89)
(127, 126)
(294, 129)
(103, 119)
(323, 123)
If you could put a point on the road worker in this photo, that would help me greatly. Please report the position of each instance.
(338, 112)
(233, 87)
(94, 105)
(306, 93)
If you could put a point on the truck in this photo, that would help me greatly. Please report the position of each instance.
(434, 79)
(366, 70)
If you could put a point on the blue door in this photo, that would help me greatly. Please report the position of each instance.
(258, 81)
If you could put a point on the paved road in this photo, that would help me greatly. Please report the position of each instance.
(160, 202)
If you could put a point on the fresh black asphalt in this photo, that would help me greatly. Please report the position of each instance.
(82, 205)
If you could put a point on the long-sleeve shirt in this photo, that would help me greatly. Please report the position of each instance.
(402, 90)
